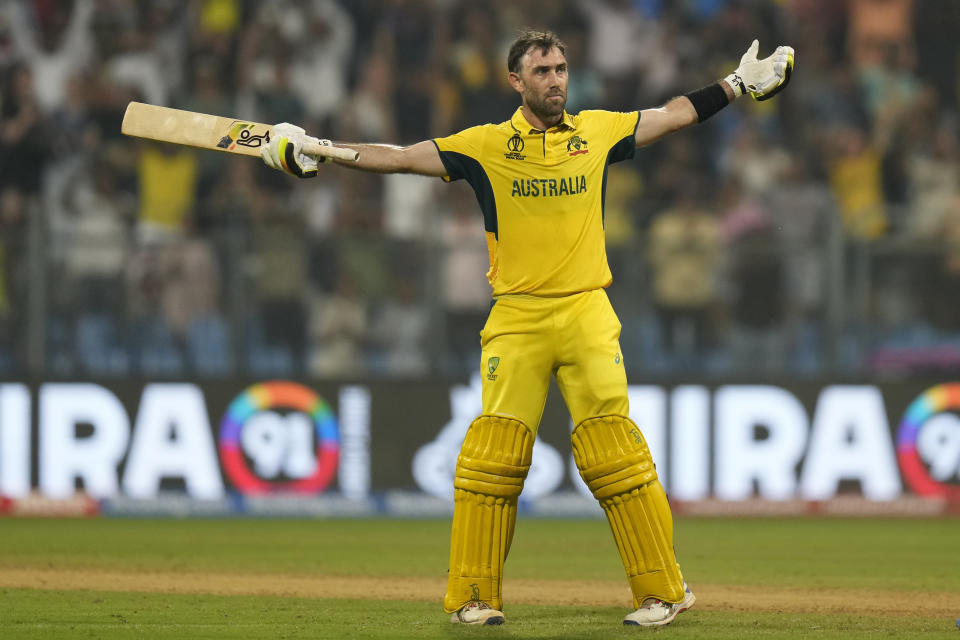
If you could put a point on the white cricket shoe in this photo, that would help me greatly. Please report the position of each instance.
(477, 612)
(657, 613)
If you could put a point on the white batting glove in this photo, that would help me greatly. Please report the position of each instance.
(765, 78)
(285, 151)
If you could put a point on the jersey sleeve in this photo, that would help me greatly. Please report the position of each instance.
(460, 152)
(618, 130)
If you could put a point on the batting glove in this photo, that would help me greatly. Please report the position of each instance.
(285, 151)
(765, 78)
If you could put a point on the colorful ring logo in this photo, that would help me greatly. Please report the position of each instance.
(944, 397)
(290, 395)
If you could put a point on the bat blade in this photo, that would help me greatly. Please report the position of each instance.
(205, 131)
(193, 129)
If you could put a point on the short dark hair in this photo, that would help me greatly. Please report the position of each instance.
(528, 39)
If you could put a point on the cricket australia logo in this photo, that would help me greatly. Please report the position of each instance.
(514, 147)
(577, 146)
(241, 133)
(492, 365)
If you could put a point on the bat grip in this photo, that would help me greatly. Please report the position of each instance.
(326, 151)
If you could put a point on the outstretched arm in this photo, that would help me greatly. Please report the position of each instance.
(285, 153)
(421, 158)
(762, 79)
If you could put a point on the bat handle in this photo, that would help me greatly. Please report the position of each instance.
(326, 151)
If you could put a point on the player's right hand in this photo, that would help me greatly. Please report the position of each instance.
(762, 79)
(285, 151)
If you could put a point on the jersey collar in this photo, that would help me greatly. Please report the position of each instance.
(520, 123)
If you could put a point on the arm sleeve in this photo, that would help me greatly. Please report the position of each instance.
(460, 152)
(618, 130)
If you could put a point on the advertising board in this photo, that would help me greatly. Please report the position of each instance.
(360, 441)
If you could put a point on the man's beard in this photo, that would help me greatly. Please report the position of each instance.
(545, 109)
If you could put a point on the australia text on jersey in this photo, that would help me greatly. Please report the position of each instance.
(547, 187)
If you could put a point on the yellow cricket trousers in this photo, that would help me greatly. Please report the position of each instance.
(527, 339)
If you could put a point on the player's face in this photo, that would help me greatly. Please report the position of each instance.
(543, 83)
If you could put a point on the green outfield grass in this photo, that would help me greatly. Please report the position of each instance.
(896, 560)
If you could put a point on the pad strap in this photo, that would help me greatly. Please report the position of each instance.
(493, 463)
(615, 462)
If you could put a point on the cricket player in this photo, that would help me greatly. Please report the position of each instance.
(539, 178)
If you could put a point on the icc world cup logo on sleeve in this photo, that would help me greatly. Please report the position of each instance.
(279, 437)
(928, 443)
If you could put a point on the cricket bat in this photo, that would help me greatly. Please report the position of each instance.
(204, 131)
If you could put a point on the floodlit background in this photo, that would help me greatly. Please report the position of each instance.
(192, 345)
(787, 274)
(818, 233)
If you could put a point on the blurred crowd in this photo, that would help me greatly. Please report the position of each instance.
(811, 234)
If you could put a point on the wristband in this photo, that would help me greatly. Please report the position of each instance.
(708, 100)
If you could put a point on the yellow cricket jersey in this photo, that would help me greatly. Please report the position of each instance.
(542, 193)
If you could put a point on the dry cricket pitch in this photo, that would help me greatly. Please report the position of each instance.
(710, 597)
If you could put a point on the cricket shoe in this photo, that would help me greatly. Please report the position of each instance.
(477, 612)
(657, 613)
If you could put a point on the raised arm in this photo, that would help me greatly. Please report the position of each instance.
(677, 114)
(762, 79)
(285, 153)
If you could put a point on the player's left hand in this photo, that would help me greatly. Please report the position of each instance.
(765, 78)
(285, 151)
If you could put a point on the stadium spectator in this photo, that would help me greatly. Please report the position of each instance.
(337, 331)
(277, 265)
(97, 229)
(192, 293)
(869, 120)
(475, 58)
(53, 39)
(854, 166)
(167, 188)
(685, 252)
(24, 149)
(465, 290)
(398, 331)
(615, 33)
(756, 166)
(878, 26)
(804, 215)
(322, 34)
(933, 183)
(369, 115)
(756, 281)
